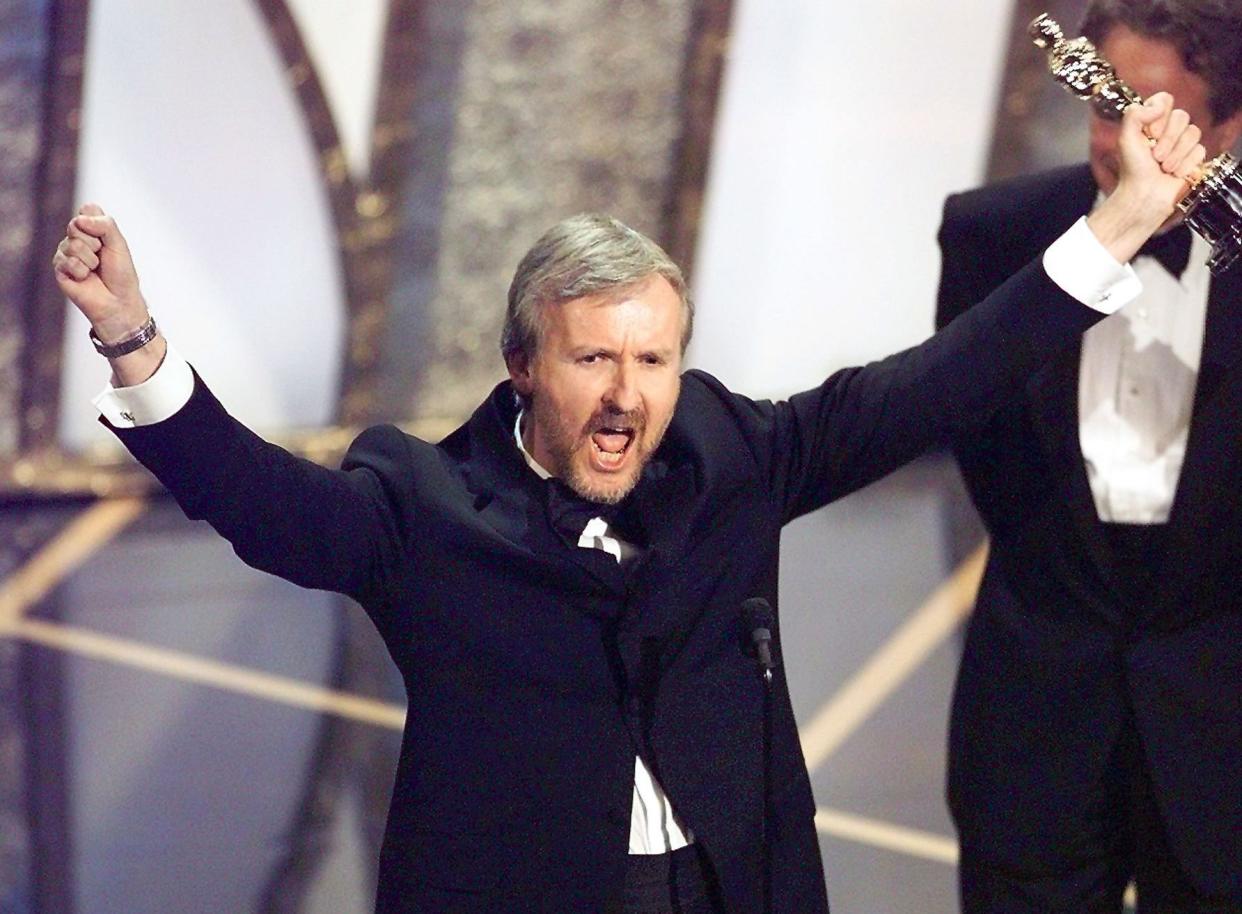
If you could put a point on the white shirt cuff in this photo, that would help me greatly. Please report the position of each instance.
(157, 398)
(1084, 269)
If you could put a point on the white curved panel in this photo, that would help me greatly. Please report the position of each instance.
(345, 39)
(193, 139)
(841, 129)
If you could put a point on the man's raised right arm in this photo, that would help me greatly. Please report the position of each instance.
(334, 530)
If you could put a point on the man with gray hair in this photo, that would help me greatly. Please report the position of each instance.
(561, 581)
(1096, 731)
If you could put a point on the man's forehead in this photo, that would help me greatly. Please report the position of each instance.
(651, 303)
(1153, 63)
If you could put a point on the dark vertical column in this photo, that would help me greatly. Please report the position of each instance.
(15, 837)
(24, 57)
(48, 791)
(428, 76)
(561, 106)
(41, 47)
(53, 185)
(36, 848)
(23, 51)
(409, 52)
(706, 46)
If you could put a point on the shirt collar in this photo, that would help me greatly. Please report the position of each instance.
(521, 446)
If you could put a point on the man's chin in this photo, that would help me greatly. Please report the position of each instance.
(607, 491)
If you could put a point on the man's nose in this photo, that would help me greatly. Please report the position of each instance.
(622, 395)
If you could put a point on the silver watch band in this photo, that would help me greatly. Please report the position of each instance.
(139, 338)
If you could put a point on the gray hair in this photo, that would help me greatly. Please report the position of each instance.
(583, 255)
(1207, 34)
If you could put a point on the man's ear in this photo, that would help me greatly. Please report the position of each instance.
(519, 372)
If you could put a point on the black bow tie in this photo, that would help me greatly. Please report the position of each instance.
(1171, 248)
(569, 512)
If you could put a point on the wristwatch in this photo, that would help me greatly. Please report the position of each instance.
(132, 343)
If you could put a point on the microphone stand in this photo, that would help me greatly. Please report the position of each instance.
(767, 789)
(758, 618)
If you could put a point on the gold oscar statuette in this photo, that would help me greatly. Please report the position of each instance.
(1213, 205)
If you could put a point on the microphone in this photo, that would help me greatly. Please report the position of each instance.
(758, 617)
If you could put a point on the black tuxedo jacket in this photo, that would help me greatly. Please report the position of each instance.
(535, 670)
(1056, 658)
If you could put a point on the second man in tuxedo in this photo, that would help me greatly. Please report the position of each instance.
(1096, 731)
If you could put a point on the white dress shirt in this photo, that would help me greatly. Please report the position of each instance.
(1136, 391)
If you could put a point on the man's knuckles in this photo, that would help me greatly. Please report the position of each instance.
(74, 247)
(72, 231)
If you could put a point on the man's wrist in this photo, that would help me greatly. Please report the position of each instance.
(1125, 220)
(138, 366)
(122, 320)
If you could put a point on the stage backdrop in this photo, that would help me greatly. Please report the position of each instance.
(327, 198)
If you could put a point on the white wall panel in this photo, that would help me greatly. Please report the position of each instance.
(842, 127)
(193, 139)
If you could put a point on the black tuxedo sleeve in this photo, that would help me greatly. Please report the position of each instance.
(988, 234)
(964, 280)
(327, 529)
(862, 423)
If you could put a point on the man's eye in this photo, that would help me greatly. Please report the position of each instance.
(590, 359)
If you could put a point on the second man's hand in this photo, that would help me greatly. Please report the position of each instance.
(1160, 157)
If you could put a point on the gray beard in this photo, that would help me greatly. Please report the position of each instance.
(583, 488)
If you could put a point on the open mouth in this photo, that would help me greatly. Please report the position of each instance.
(610, 444)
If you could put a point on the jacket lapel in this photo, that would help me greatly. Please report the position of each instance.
(659, 609)
(1216, 423)
(511, 500)
(1054, 413)
(1052, 393)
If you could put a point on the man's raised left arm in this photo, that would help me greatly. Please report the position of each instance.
(863, 423)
